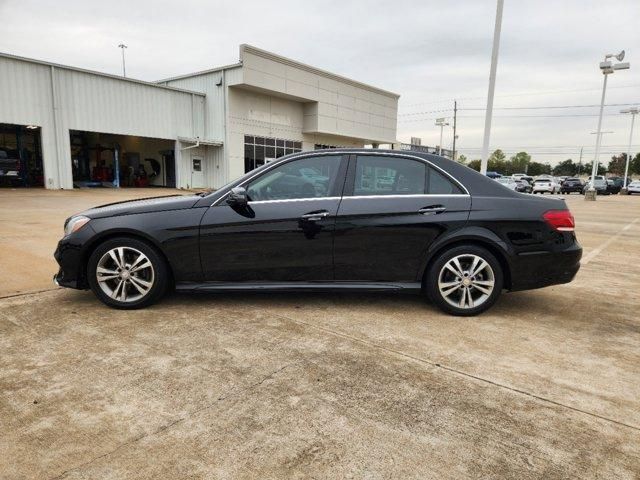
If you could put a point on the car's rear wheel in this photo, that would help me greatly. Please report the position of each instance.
(127, 273)
(464, 281)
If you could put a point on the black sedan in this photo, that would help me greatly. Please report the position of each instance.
(334, 220)
(571, 185)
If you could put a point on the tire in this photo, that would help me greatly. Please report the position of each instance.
(141, 282)
(439, 279)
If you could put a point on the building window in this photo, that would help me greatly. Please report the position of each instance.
(259, 150)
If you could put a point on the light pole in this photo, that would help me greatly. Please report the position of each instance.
(122, 46)
(633, 111)
(492, 86)
(440, 122)
(607, 68)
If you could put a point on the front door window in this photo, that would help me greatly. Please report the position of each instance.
(311, 177)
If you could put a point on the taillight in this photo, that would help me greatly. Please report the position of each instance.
(561, 220)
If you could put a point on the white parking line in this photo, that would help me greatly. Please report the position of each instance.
(596, 251)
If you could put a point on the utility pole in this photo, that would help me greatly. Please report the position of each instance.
(441, 122)
(122, 46)
(580, 161)
(607, 68)
(633, 111)
(492, 87)
(455, 115)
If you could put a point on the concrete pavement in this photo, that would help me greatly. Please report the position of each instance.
(545, 385)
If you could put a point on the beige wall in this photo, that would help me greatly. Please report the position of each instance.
(254, 113)
(332, 104)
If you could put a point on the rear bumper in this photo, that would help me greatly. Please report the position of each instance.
(540, 269)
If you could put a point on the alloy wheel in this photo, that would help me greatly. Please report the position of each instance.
(466, 281)
(125, 274)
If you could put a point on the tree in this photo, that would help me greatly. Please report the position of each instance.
(520, 162)
(617, 164)
(536, 168)
(566, 167)
(475, 164)
(498, 156)
(497, 162)
(462, 159)
(589, 166)
(634, 165)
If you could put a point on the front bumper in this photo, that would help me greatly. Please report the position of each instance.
(70, 255)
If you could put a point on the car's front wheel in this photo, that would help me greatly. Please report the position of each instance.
(464, 281)
(127, 273)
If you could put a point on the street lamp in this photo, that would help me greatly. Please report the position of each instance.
(122, 46)
(607, 68)
(440, 122)
(633, 111)
(484, 161)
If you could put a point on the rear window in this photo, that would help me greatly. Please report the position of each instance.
(439, 184)
(542, 180)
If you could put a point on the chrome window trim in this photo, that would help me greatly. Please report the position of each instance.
(413, 195)
(285, 200)
(315, 153)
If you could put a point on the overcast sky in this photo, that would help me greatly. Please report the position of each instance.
(429, 52)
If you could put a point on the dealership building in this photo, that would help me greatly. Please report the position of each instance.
(67, 126)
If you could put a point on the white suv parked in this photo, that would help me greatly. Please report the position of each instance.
(542, 185)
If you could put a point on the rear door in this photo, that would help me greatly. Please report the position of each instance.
(393, 208)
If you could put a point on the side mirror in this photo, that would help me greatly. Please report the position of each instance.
(237, 197)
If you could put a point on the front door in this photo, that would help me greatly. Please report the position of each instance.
(197, 172)
(285, 234)
(392, 210)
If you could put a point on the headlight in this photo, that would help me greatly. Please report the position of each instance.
(74, 224)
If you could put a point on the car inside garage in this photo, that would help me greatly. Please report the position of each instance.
(108, 160)
(20, 156)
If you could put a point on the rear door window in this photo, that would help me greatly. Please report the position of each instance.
(378, 175)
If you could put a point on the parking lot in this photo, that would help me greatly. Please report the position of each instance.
(544, 385)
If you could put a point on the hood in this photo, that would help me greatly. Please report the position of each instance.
(143, 205)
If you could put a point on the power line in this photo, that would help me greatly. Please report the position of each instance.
(556, 106)
(520, 108)
(522, 94)
(517, 116)
(511, 152)
(562, 146)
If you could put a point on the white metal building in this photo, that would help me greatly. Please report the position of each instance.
(73, 126)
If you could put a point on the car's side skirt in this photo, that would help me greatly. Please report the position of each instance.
(414, 287)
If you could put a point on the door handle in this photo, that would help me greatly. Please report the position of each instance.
(315, 216)
(432, 210)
